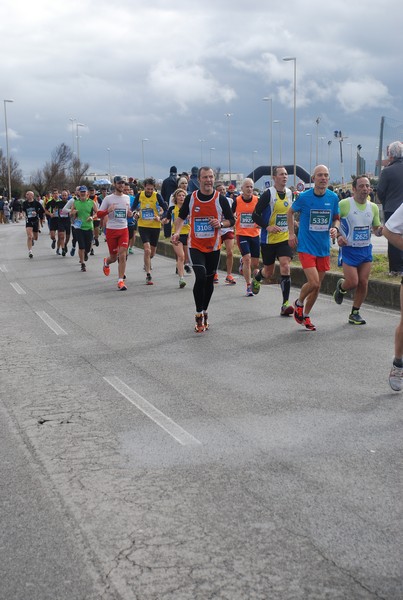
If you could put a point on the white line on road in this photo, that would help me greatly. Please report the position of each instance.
(51, 323)
(174, 430)
(17, 288)
(3, 269)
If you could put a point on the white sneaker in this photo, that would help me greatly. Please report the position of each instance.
(396, 378)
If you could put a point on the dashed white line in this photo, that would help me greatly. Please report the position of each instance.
(166, 423)
(17, 287)
(3, 269)
(51, 323)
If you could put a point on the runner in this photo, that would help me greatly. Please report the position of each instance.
(179, 196)
(271, 214)
(131, 221)
(83, 211)
(247, 234)
(208, 212)
(358, 216)
(117, 207)
(151, 206)
(33, 212)
(227, 237)
(319, 216)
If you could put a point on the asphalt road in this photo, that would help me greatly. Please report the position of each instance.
(141, 461)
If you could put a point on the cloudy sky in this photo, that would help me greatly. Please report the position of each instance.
(171, 71)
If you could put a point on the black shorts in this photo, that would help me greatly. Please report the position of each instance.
(64, 224)
(33, 224)
(183, 238)
(272, 251)
(53, 223)
(150, 235)
(84, 239)
(131, 229)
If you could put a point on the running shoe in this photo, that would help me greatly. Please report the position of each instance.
(355, 318)
(286, 309)
(308, 324)
(130, 250)
(122, 286)
(182, 283)
(106, 268)
(338, 293)
(92, 252)
(199, 326)
(85, 256)
(72, 251)
(255, 286)
(396, 378)
(58, 251)
(240, 266)
(64, 251)
(215, 277)
(249, 292)
(83, 267)
(96, 242)
(298, 313)
(188, 269)
(149, 280)
(53, 244)
(205, 321)
(230, 280)
(30, 254)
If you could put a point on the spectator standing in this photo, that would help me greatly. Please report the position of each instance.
(390, 195)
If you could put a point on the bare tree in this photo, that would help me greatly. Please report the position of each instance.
(63, 170)
(15, 173)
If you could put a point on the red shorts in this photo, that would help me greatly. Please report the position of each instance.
(322, 263)
(230, 235)
(117, 238)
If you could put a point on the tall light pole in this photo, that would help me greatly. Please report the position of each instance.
(310, 157)
(229, 115)
(253, 164)
(321, 148)
(201, 151)
(279, 128)
(73, 128)
(78, 137)
(351, 158)
(338, 135)
(142, 154)
(329, 145)
(270, 100)
(294, 59)
(317, 140)
(8, 151)
(211, 150)
(109, 163)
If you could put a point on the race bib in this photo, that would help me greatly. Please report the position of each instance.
(56, 212)
(31, 213)
(202, 227)
(147, 214)
(319, 219)
(77, 223)
(246, 220)
(361, 236)
(119, 213)
(281, 221)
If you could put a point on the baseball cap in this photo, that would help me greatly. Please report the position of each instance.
(231, 188)
(117, 179)
(82, 188)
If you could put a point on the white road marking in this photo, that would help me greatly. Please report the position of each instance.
(17, 288)
(174, 430)
(51, 323)
(3, 269)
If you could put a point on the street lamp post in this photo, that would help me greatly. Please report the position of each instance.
(211, 150)
(253, 164)
(77, 136)
(142, 154)
(201, 151)
(270, 100)
(294, 59)
(229, 115)
(338, 135)
(329, 145)
(109, 163)
(351, 158)
(73, 120)
(279, 128)
(317, 140)
(8, 151)
(310, 157)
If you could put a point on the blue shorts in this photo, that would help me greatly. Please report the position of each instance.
(354, 257)
(249, 245)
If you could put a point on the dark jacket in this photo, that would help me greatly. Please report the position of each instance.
(168, 187)
(390, 186)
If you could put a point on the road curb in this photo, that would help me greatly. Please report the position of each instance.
(380, 293)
